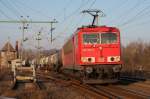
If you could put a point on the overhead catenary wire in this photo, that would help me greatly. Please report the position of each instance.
(11, 9)
(115, 9)
(119, 6)
(68, 22)
(75, 11)
(138, 22)
(25, 6)
(92, 4)
(139, 14)
(126, 14)
(21, 8)
(63, 10)
(5, 15)
(71, 17)
(77, 23)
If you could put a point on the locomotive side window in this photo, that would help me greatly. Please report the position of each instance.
(91, 38)
(107, 38)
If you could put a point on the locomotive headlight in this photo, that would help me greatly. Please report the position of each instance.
(113, 59)
(88, 59)
(117, 58)
(83, 59)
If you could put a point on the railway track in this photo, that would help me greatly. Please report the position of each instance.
(131, 79)
(28, 85)
(122, 93)
(135, 91)
(93, 90)
(81, 88)
(77, 86)
(141, 88)
(13, 85)
(100, 91)
(114, 91)
(40, 85)
(96, 91)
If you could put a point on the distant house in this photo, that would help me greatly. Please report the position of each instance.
(7, 54)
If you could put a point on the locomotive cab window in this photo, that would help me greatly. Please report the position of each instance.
(107, 38)
(100, 38)
(91, 38)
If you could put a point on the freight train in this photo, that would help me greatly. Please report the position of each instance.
(92, 53)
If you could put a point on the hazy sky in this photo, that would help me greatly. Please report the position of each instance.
(130, 16)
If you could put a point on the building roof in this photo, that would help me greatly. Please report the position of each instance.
(8, 47)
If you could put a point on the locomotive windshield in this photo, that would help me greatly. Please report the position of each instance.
(91, 38)
(99, 38)
(107, 38)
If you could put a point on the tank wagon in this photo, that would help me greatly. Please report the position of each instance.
(56, 61)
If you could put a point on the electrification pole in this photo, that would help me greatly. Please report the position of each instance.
(38, 46)
(51, 30)
(24, 22)
(24, 26)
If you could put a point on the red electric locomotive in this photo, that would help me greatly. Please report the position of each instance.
(94, 52)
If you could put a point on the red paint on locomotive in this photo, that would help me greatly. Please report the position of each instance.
(99, 45)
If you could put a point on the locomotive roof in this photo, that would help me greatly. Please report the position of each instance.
(87, 28)
(98, 27)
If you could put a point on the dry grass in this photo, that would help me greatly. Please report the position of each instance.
(52, 90)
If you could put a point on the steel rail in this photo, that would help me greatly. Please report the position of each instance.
(136, 92)
(77, 85)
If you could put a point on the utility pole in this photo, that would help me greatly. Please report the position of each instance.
(52, 28)
(95, 14)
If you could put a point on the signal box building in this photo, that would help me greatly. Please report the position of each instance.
(7, 54)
